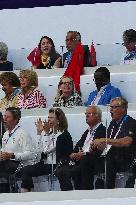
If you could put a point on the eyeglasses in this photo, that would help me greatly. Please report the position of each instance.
(67, 83)
(91, 114)
(115, 106)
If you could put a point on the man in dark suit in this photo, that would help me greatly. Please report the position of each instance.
(72, 39)
(85, 159)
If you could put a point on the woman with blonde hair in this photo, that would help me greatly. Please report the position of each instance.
(66, 95)
(30, 97)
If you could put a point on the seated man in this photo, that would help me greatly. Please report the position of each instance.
(129, 41)
(81, 154)
(121, 141)
(72, 39)
(105, 91)
(16, 144)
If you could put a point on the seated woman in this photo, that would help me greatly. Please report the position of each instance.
(66, 95)
(54, 140)
(11, 87)
(129, 41)
(4, 64)
(30, 96)
(45, 56)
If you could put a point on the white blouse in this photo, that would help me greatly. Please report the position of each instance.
(47, 144)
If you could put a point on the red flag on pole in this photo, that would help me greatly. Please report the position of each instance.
(93, 61)
(35, 57)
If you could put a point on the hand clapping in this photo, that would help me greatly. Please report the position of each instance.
(42, 126)
(39, 126)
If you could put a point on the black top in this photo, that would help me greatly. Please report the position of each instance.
(64, 146)
(51, 62)
(6, 66)
(124, 155)
(100, 133)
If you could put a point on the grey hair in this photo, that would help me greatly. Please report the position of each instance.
(98, 112)
(3, 51)
(76, 34)
(122, 101)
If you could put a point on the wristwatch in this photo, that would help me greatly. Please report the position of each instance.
(13, 156)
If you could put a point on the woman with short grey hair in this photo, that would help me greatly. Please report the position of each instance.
(4, 64)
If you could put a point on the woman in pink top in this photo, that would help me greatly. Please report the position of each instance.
(30, 97)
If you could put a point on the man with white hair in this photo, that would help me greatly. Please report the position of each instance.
(82, 172)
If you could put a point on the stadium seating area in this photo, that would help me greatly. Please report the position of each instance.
(122, 76)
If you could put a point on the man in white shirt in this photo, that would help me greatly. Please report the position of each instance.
(16, 143)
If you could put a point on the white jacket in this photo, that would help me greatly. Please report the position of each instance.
(20, 143)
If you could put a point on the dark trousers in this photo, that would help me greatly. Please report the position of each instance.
(7, 168)
(131, 180)
(35, 170)
(114, 164)
(65, 174)
(82, 174)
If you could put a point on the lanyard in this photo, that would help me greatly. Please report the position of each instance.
(98, 96)
(105, 151)
(10, 134)
(123, 120)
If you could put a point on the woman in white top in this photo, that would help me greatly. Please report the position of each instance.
(55, 143)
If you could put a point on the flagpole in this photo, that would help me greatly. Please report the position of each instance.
(62, 52)
(105, 161)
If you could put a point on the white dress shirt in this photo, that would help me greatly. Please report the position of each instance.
(89, 138)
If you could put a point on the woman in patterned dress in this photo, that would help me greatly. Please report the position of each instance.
(66, 95)
(30, 97)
